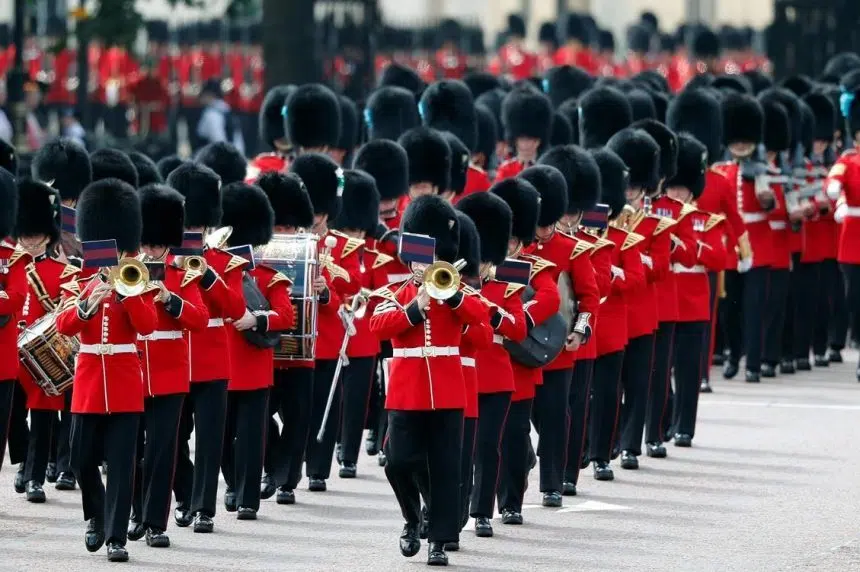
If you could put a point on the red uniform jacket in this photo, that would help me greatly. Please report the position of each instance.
(374, 275)
(13, 291)
(62, 90)
(694, 303)
(514, 62)
(477, 181)
(252, 367)
(577, 56)
(426, 372)
(450, 64)
(781, 234)
(495, 374)
(344, 271)
(107, 382)
(164, 352)
(655, 249)
(845, 176)
(265, 163)
(683, 251)
(509, 169)
(627, 276)
(476, 338)
(601, 261)
(752, 213)
(720, 197)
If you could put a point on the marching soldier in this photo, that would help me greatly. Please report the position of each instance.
(273, 134)
(576, 50)
(514, 61)
(450, 61)
(478, 178)
(527, 118)
(390, 112)
(114, 164)
(604, 111)
(312, 117)
(429, 159)
(226, 160)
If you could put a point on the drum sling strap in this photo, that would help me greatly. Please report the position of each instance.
(39, 289)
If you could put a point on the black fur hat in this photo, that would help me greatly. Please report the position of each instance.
(641, 153)
(432, 216)
(429, 157)
(547, 33)
(8, 203)
(8, 157)
(614, 180)
(526, 113)
(348, 125)
(638, 39)
(525, 203)
(323, 179)
(641, 104)
(166, 165)
(312, 115)
(580, 174)
(798, 84)
(692, 164)
(460, 158)
(824, 114)
(698, 113)
(38, 210)
(493, 218)
(807, 133)
(570, 109)
(398, 75)
(736, 83)
(603, 112)
(360, 206)
(791, 103)
(390, 112)
(110, 209)
(271, 116)
(667, 140)
(65, 164)
(566, 82)
(162, 209)
(758, 80)
(224, 159)
(289, 199)
(562, 131)
(470, 246)
(661, 104)
(706, 44)
(743, 119)
(488, 133)
(147, 170)
(201, 187)
(481, 82)
(448, 105)
(248, 211)
(114, 164)
(777, 126)
(516, 26)
(651, 80)
(387, 163)
(552, 187)
(492, 100)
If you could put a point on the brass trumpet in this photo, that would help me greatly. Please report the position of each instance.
(194, 264)
(129, 277)
(441, 279)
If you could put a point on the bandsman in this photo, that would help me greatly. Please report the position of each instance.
(527, 119)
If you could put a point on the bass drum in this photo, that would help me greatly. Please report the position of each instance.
(48, 356)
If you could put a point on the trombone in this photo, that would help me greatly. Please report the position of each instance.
(129, 278)
(441, 279)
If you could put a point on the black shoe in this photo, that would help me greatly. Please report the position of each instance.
(94, 538)
(117, 553)
(338, 453)
(19, 480)
(381, 459)
(602, 472)
(409, 541)
(203, 523)
(568, 489)
(267, 487)
(834, 356)
(511, 517)
(718, 360)
(371, 444)
(821, 361)
(616, 450)
(182, 516)
(347, 471)
(787, 367)
(51, 473)
(705, 387)
(803, 365)
(552, 499)
(286, 497)
(35, 493)
(753, 377)
(436, 555)
(156, 538)
(629, 461)
(230, 500)
(316, 484)
(65, 482)
(136, 530)
(730, 370)
(483, 527)
(655, 450)
(767, 370)
(683, 440)
(452, 547)
(246, 513)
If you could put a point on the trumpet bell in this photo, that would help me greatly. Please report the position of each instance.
(441, 280)
(129, 278)
(194, 264)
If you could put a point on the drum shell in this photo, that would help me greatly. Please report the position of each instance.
(47, 356)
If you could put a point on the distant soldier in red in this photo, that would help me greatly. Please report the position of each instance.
(548, 40)
(514, 61)
(607, 65)
(450, 59)
(706, 52)
(273, 135)
(576, 50)
(638, 49)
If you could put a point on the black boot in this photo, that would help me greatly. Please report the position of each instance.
(230, 500)
(136, 530)
(655, 450)
(821, 361)
(767, 370)
(65, 482)
(705, 387)
(19, 480)
(803, 365)
(267, 487)
(182, 516)
(35, 493)
(602, 472)
(246, 513)
(730, 369)
(316, 484)
(436, 555)
(683, 440)
(483, 527)
(787, 367)
(410, 544)
(156, 538)
(568, 489)
(511, 517)
(94, 538)
(117, 553)
(51, 473)
(834, 356)
(753, 377)
(718, 360)
(286, 496)
(203, 523)
(629, 461)
(552, 499)
(347, 471)
(371, 444)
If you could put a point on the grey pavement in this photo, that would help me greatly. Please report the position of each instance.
(772, 483)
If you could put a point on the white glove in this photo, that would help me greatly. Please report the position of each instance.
(617, 273)
(745, 265)
(834, 189)
(839, 214)
(647, 261)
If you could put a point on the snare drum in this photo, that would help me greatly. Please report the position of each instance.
(48, 356)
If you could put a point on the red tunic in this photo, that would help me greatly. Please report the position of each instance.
(601, 261)
(694, 303)
(752, 213)
(374, 275)
(477, 181)
(720, 197)
(344, 271)
(577, 56)
(655, 249)
(450, 63)
(509, 169)
(683, 251)
(627, 276)
(476, 338)
(781, 233)
(514, 62)
(13, 292)
(495, 374)
(846, 176)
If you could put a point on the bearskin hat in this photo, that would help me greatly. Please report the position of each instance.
(110, 209)
(777, 126)
(114, 164)
(697, 112)
(651, 79)
(641, 104)
(791, 103)
(312, 116)
(667, 142)
(735, 83)
(398, 75)
(550, 183)
(289, 199)
(606, 40)
(570, 109)
(166, 165)
(758, 80)
(525, 203)
(201, 187)
(360, 206)
(271, 117)
(493, 218)
(323, 179)
(604, 111)
(706, 44)
(639, 39)
(38, 210)
(565, 82)
(429, 157)
(390, 112)
(580, 174)
(807, 132)
(547, 34)
(492, 100)
(65, 164)
(487, 133)
(432, 216)
(349, 128)
(8, 203)
(562, 132)
(614, 180)
(224, 159)
(147, 170)
(480, 82)
(460, 158)
(387, 163)
(162, 209)
(448, 105)
(641, 153)
(743, 119)
(8, 157)
(526, 114)
(470, 246)
(692, 164)
(841, 63)
(516, 26)
(824, 114)
(248, 212)
(798, 84)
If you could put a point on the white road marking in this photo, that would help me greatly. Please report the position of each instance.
(778, 405)
(593, 506)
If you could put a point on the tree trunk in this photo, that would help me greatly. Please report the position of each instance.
(290, 45)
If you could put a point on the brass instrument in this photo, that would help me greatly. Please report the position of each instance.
(218, 237)
(194, 264)
(441, 279)
(129, 277)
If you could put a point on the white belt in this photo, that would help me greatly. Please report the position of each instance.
(107, 349)
(681, 269)
(161, 335)
(497, 339)
(399, 277)
(754, 217)
(778, 225)
(215, 323)
(851, 211)
(427, 351)
(467, 361)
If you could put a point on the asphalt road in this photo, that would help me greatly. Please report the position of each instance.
(772, 483)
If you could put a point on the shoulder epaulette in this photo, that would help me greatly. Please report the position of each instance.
(385, 293)
(631, 240)
(580, 248)
(665, 222)
(235, 262)
(539, 264)
(69, 270)
(686, 209)
(335, 271)
(352, 245)
(636, 219)
(72, 287)
(151, 287)
(720, 164)
(601, 243)
(512, 289)
(189, 276)
(277, 278)
(17, 255)
(713, 221)
(381, 260)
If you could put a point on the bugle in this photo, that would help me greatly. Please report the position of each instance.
(441, 279)
(129, 277)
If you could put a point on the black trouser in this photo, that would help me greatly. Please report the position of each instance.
(492, 415)
(293, 398)
(838, 326)
(851, 273)
(467, 466)
(661, 376)
(635, 381)
(603, 416)
(580, 394)
(19, 434)
(318, 455)
(427, 441)
(774, 316)
(113, 438)
(244, 444)
(805, 289)
(552, 421)
(42, 425)
(357, 386)
(514, 469)
(61, 436)
(196, 485)
(713, 284)
(732, 313)
(755, 303)
(689, 337)
(825, 297)
(7, 388)
(160, 424)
